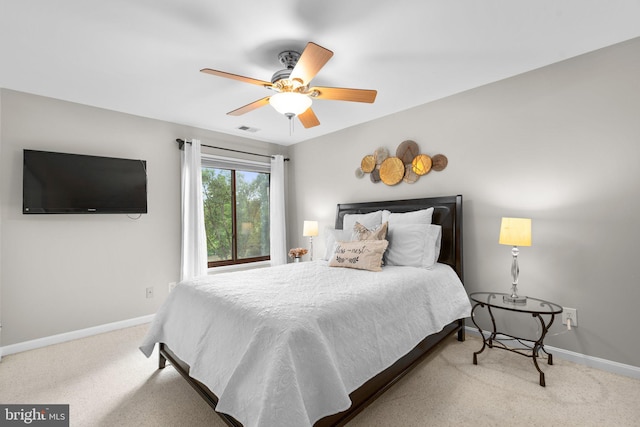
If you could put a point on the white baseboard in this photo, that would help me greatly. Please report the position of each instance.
(73, 335)
(582, 359)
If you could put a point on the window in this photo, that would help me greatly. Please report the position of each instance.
(236, 211)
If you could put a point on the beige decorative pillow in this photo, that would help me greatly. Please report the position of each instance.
(360, 232)
(362, 255)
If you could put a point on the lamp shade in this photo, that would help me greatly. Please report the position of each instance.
(290, 103)
(515, 232)
(310, 229)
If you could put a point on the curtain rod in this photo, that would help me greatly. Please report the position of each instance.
(181, 143)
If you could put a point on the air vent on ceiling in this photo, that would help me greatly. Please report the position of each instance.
(248, 129)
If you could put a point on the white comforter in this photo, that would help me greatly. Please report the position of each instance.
(284, 346)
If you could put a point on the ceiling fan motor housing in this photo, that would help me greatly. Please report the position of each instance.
(281, 75)
(288, 59)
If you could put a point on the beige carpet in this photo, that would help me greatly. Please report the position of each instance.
(108, 382)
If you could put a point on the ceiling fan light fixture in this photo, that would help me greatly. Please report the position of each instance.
(288, 103)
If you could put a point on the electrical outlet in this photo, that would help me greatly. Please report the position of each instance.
(172, 285)
(570, 313)
(150, 292)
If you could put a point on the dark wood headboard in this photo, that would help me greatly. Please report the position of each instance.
(447, 213)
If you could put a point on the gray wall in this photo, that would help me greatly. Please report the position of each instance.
(560, 145)
(61, 273)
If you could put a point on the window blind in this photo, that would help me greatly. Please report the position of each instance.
(235, 164)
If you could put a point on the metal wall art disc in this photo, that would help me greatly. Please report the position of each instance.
(381, 155)
(440, 162)
(421, 164)
(392, 171)
(407, 150)
(375, 175)
(409, 175)
(368, 163)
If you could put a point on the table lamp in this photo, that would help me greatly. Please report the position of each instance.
(310, 230)
(515, 232)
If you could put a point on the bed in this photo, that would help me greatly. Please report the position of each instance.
(309, 343)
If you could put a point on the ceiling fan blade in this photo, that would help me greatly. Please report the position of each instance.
(311, 61)
(308, 118)
(345, 94)
(237, 77)
(249, 107)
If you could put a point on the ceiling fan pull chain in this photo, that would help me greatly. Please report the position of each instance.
(290, 117)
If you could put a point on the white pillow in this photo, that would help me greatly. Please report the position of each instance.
(332, 237)
(413, 245)
(423, 216)
(370, 220)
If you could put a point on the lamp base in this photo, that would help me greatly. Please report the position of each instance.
(514, 299)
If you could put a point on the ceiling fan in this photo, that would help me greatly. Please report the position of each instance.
(294, 94)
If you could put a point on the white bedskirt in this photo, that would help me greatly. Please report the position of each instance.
(285, 345)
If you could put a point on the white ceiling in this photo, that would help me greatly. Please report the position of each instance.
(143, 56)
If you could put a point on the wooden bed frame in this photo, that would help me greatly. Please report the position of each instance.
(447, 213)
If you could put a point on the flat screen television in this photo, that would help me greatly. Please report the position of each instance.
(61, 183)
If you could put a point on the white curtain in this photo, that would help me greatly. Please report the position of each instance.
(278, 236)
(193, 252)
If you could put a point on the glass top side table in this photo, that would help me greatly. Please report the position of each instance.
(533, 306)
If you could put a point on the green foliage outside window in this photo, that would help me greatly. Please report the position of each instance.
(250, 214)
